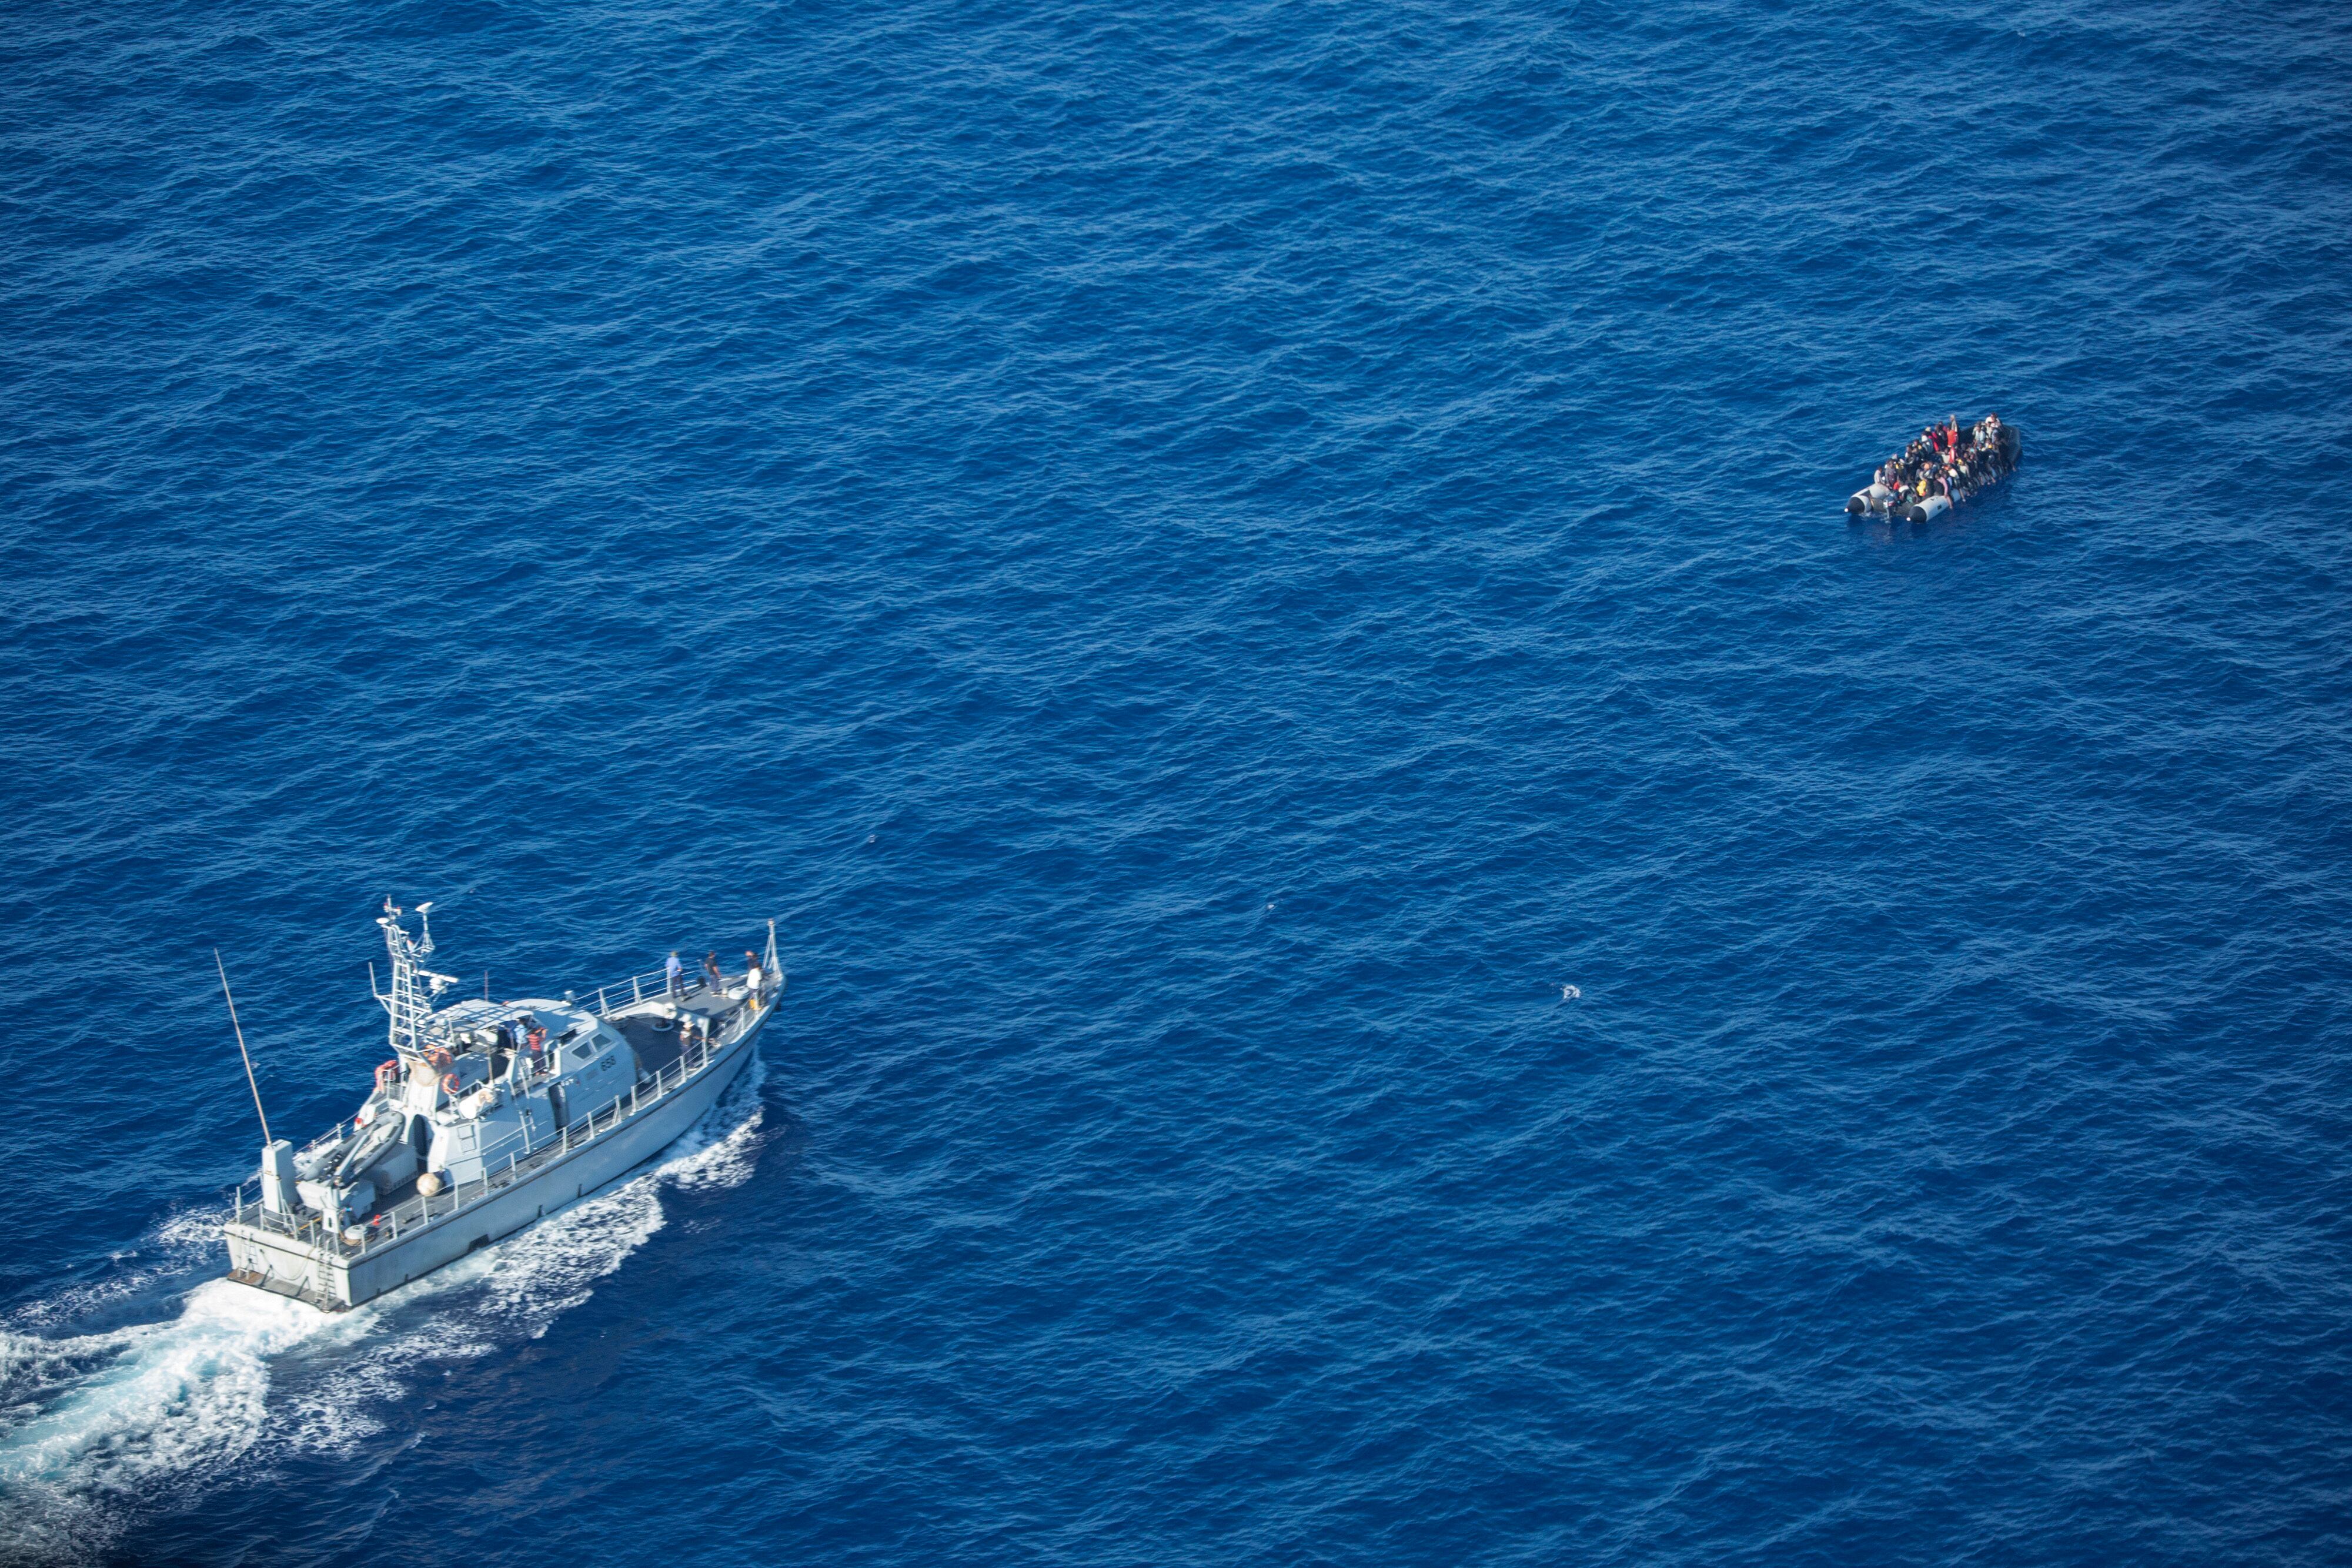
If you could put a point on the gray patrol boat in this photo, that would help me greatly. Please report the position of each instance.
(489, 1116)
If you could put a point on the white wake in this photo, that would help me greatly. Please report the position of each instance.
(90, 1422)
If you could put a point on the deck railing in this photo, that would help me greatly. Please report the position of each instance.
(523, 1155)
(609, 999)
(630, 989)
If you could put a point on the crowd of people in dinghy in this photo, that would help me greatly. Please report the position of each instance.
(1945, 460)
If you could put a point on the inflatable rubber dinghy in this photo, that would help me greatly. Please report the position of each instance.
(1876, 499)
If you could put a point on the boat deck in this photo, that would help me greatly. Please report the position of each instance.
(668, 1065)
(287, 1288)
(655, 1035)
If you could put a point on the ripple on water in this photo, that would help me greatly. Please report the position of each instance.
(1203, 564)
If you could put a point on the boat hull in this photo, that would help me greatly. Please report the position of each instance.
(334, 1276)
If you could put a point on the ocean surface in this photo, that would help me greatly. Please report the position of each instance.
(1405, 946)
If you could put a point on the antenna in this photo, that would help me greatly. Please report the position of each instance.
(409, 1002)
(249, 1083)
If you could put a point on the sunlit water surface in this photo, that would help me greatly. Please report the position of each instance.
(1208, 565)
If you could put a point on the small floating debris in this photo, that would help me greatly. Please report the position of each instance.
(1944, 465)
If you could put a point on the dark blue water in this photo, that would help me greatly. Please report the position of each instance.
(1206, 563)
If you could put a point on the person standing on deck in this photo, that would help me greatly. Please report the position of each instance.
(674, 973)
(751, 975)
(713, 981)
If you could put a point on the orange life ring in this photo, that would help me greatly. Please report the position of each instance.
(388, 1074)
(450, 1083)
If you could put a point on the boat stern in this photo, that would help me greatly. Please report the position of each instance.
(286, 1265)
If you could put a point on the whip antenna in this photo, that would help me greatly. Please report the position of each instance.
(249, 1083)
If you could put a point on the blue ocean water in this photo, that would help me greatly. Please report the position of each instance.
(1406, 947)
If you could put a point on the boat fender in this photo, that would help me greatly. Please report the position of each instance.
(1871, 497)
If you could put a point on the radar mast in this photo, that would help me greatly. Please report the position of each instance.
(410, 1002)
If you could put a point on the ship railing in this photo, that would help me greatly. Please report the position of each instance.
(610, 998)
(250, 1210)
(631, 990)
(522, 1153)
(523, 1158)
(335, 1134)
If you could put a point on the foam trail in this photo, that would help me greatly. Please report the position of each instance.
(185, 1243)
(718, 1151)
(95, 1419)
(525, 1283)
(108, 1416)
